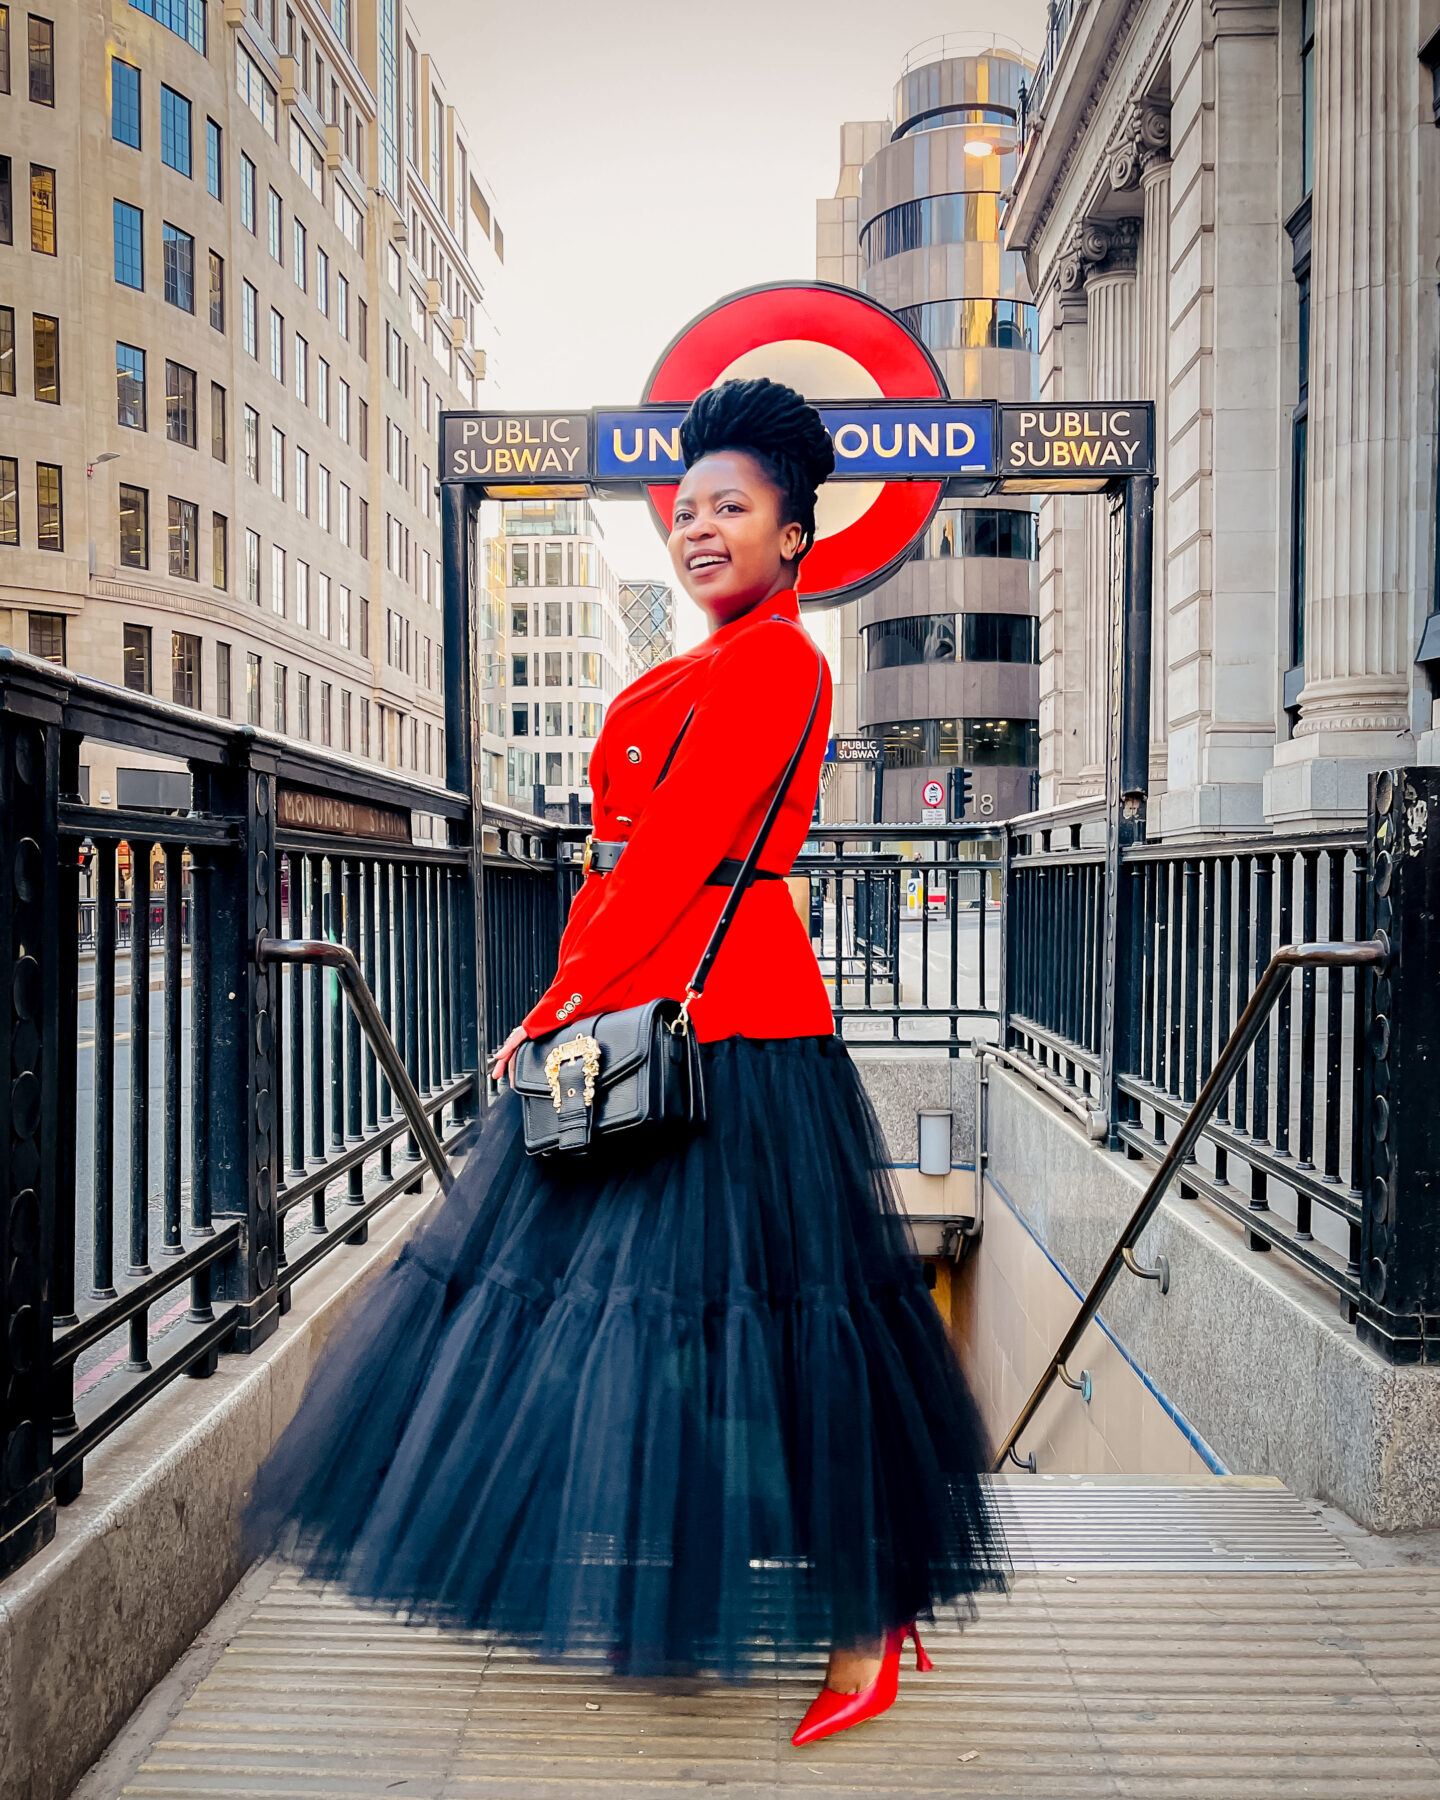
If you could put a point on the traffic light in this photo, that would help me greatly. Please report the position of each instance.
(962, 793)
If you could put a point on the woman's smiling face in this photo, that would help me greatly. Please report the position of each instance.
(729, 545)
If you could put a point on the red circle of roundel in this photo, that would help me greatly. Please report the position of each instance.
(857, 558)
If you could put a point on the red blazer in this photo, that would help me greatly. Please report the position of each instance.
(637, 933)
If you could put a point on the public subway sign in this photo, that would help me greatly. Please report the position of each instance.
(902, 445)
(902, 441)
(1066, 445)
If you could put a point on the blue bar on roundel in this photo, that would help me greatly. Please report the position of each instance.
(902, 440)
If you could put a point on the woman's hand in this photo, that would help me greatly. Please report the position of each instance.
(506, 1052)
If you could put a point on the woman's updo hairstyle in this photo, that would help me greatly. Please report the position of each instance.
(775, 425)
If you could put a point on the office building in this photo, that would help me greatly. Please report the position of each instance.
(648, 608)
(1233, 211)
(939, 662)
(245, 260)
(558, 654)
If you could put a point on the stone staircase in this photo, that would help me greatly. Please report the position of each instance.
(1213, 1639)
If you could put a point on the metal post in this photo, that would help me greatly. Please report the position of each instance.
(30, 1107)
(1397, 1004)
(243, 901)
(459, 525)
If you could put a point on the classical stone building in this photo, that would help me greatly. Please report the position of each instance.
(1232, 208)
(245, 260)
(939, 662)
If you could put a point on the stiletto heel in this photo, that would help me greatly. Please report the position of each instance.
(830, 1712)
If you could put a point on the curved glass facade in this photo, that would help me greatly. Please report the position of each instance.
(937, 637)
(973, 324)
(982, 531)
(937, 219)
(973, 743)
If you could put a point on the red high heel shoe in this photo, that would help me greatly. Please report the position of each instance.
(830, 1712)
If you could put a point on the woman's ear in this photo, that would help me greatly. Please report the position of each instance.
(792, 539)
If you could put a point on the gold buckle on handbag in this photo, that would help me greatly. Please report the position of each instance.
(588, 857)
(582, 1049)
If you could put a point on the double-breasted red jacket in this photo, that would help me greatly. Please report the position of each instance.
(637, 932)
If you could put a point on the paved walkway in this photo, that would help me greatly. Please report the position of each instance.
(1211, 1676)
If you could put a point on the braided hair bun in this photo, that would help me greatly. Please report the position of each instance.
(775, 425)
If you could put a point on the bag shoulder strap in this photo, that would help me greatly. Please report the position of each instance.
(747, 868)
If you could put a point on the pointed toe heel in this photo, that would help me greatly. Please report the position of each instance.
(829, 1712)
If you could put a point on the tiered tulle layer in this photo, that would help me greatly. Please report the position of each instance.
(688, 1410)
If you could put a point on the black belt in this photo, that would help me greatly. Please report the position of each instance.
(602, 854)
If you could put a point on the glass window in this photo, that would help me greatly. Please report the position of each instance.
(977, 743)
(520, 671)
(342, 409)
(1000, 637)
(938, 219)
(134, 527)
(254, 89)
(322, 390)
(322, 496)
(42, 61)
(219, 551)
(124, 103)
(7, 201)
(553, 626)
(174, 131)
(899, 643)
(281, 716)
(343, 615)
(135, 651)
(299, 258)
(277, 345)
(252, 443)
(554, 768)
(179, 254)
(217, 290)
(302, 593)
(186, 18)
(252, 688)
(7, 349)
(184, 539)
(277, 462)
(276, 216)
(9, 500)
(130, 386)
(302, 706)
(322, 604)
(302, 370)
(590, 668)
(47, 636)
(222, 680)
(326, 728)
(553, 668)
(42, 210)
(277, 580)
(252, 566)
(185, 669)
(973, 324)
(555, 718)
(302, 481)
(217, 422)
(322, 281)
(520, 566)
(49, 506)
(520, 721)
(250, 319)
(47, 359)
(180, 406)
(342, 508)
(129, 249)
(342, 306)
(214, 160)
(554, 576)
(982, 531)
(247, 192)
(5, 50)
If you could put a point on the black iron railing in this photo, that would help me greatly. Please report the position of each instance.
(180, 1108)
(904, 920)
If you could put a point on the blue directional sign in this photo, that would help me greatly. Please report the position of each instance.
(911, 439)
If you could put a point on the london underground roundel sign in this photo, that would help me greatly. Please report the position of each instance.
(831, 344)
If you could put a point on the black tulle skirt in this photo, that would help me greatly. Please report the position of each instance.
(684, 1411)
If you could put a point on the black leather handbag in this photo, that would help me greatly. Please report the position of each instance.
(637, 1070)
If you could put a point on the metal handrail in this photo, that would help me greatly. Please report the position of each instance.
(1268, 989)
(322, 953)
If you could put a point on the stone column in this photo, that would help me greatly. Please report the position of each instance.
(1063, 550)
(1110, 297)
(1359, 565)
(1154, 299)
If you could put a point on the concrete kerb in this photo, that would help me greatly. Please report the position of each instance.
(147, 1554)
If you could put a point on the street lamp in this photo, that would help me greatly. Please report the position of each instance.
(104, 457)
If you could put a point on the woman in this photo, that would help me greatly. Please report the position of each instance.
(690, 1406)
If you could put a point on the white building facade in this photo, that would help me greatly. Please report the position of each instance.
(1232, 208)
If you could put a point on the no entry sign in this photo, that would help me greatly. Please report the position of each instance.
(901, 444)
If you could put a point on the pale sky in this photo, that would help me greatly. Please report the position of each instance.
(649, 157)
